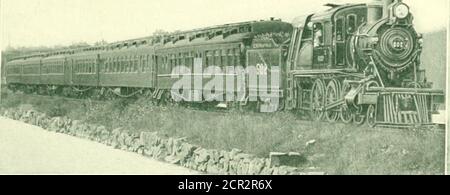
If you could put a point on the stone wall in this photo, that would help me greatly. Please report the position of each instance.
(151, 144)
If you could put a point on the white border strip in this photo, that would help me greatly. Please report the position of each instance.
(447, 108)
(1, 44)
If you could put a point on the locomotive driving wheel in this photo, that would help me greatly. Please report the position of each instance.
(317, 99)
(371, 116)
(346, 114)
(333, 95)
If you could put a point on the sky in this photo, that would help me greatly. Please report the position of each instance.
(63, 22)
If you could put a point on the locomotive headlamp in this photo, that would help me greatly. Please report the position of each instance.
(401, 11)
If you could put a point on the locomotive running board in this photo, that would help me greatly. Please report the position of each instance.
(403, 126)
(405, 90)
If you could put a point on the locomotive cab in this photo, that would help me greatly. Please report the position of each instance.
(323, 39)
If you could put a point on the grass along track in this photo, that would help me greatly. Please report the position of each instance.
(338, 148)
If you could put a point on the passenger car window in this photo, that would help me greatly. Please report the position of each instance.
(142, 64)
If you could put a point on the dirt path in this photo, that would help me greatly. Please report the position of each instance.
(26, 149)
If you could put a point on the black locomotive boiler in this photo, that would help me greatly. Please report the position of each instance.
(352, 63)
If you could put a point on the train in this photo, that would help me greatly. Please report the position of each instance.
(354, 63)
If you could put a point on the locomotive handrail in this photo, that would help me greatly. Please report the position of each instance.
(198, 74)
(327, 71)
(360, 82)
(303, 73)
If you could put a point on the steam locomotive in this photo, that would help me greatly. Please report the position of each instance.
(351, 63)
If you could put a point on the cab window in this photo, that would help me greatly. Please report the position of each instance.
(318, 35)
(339, 27)
(351, 24)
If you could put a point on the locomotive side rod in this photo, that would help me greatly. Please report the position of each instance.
(335, 104)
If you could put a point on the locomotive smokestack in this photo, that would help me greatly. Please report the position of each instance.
(386, 4)
(377, 10)
(374, 11)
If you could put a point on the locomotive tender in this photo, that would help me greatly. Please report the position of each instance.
(350, 63)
